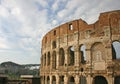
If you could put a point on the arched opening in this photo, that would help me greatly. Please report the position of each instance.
(61, 57)
(42, 64)
(71, 80)
(54, 44)
(117, 80)
(53, 80)
(82, 80)
(45, 60)
(83, 54)
(61, 79)
(100, 80)
(71, 56)
(116, 50)
(48, 56)
(98, 52)
(54, 60)
(48, 80)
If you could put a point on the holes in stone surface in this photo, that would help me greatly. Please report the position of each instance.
(82, 80)
(53, 80)
(54, 60)
(70, 27)
(54, 32)
(71, 80)
(61, 79)
(81, 69)
(71, 55)
(48, 80)
(48, 56)
(45, 39)
(116, 50)
(83, 54)
(100, 80)
(45, 60)
(54, 44)
(62, 57)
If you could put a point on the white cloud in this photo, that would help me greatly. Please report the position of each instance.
(3, 12)
(23, 23)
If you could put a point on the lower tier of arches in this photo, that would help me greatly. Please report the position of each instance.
(77, 79)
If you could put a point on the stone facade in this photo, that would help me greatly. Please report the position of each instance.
(81, 53)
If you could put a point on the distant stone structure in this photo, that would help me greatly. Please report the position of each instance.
(81, 53)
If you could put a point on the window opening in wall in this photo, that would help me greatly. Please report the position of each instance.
(117, 80)
(54, 80)
(48, 80)
(83, 54)
(54, 32)
(54, 60)
(70, 27)
(61, 79)
(45, 60)
(71, 56)
(116, 50)
(54, 44)
(45, 39)
(100, 80)
(71, 80)
(48, 58)
(82, 80)
(62, 57)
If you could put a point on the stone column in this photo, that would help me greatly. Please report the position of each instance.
(88, 53)
(110, 80)
(77, 57)
(109, 52)
(89, 79)
(45, 80)
(57, 79)
(50, 79)
(57, 59)
(51, 60)
(77, 79)
(66, 80)
(66, 56)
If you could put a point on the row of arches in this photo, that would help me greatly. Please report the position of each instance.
(71, 80)
(97, 53)
(82, 80)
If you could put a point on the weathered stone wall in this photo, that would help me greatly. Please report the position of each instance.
(63, 59)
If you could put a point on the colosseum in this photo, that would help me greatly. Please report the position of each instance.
(81, 53)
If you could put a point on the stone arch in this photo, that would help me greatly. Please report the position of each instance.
(61, 79)
(71, 56)
(54, 60)
(48, 58)
(54, 44)
(45, 59)
(99, 80)
(98, 52)
(82, 80)
(53, 80)
(115, 50)
(48, 80)
(82, 53)
(117, 80)
(61, 57)
(71, 80)
(42, 64)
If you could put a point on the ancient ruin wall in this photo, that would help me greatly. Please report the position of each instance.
(61, 46)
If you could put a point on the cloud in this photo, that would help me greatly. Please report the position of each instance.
(23, 23)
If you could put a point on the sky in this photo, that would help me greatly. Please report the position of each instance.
(23, 23)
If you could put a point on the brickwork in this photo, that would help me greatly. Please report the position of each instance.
(65, 61)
